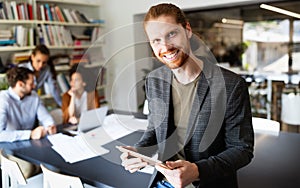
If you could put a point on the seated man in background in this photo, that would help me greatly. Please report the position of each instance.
(78, 99)
(42, 71)
(20, 107)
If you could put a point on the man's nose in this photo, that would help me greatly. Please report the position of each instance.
(166, 46)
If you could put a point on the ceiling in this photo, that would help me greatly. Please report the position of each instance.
(247, 13)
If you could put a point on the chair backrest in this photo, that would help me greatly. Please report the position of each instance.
(266, 126)
(57, 116)
(12, 175)
(290, 107)
(54, 179)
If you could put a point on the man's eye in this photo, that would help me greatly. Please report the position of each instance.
(171, 34)
(156, 41)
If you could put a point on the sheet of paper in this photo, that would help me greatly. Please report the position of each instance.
(73, 149)
(121, 125)
(114, 127)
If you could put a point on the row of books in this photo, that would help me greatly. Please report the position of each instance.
(19, 57)
(12, 10)
(18, 36)
(50, 35)
(48, 12)
(54, 35)
(57, 35)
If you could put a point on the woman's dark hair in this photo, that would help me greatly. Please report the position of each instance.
(76, 68)
(42, 49)
(16, 74)
(89, 75)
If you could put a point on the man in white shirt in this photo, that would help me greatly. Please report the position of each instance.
(20, 107)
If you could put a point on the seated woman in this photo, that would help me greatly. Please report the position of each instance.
(78, 99)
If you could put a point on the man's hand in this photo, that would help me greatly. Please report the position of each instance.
(51, 129)
(38, 133)
(180, 173)
(132, 164)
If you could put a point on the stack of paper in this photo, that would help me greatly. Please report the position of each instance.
(73, 149)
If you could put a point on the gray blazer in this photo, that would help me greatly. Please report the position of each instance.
(220, 136)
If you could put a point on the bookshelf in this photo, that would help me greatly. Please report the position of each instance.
(65, 26)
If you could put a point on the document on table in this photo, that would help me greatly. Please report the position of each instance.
(117, 125)
(88, 145)
(73, 149)
(114, 127)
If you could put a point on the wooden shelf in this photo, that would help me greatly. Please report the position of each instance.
(72, 2)
(21, 22)
(15, 48)
(69, 24)
(73, 47)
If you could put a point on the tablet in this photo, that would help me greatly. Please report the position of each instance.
(145, 158)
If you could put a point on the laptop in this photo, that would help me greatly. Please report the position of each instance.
(89, 120)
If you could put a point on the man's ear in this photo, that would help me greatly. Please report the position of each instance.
(188, 30)
(20, 84)
(32, 56)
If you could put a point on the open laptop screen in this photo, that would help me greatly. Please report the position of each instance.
(92, 118)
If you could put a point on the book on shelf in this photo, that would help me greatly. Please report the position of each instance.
(79, 56)
(96, 21)
(3, 15)
(54, 35)
(61, 62)
(48, 12)
(42, 13)
(24, 11)
(96, 35)
(30, 11)
(63, 82)
(68, 16)
(24, 36)
(5, 34)
(19, 57)
(5, 5)
(59, 14)
(52, 12)
(13, 5)
(7, 42)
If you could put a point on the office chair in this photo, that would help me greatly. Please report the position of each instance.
(54, 179)
(12, 176)
(266, 126)
(57, 116)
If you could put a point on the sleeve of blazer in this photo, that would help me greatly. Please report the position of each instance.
(149, 136)
(238, 134)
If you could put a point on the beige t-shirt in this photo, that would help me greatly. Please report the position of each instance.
(183, 96)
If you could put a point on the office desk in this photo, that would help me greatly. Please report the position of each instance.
(275, 164)
(104, 171)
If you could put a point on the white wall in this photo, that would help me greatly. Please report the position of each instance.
(119, 49)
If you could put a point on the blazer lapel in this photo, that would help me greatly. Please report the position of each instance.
(166, 78)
